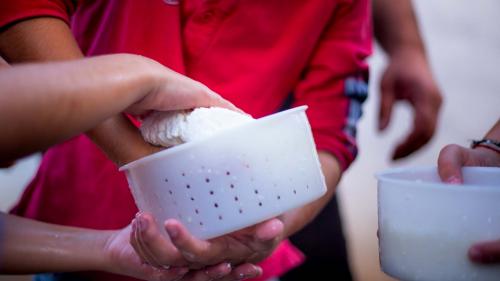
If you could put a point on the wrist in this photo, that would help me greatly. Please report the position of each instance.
(487, 145)
(97, 256)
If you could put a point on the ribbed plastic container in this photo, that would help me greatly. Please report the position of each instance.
(426, 227)
(234, 179)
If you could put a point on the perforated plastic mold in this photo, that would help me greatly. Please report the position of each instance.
(234, 179)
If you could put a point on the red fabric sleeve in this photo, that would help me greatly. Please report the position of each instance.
(341, 53)
(12, 12)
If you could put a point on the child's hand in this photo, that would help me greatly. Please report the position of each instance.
(249, 245)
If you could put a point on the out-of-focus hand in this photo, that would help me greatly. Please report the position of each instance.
(453, 157)
(409, 78)
(450, 162)
(174, 91)
(206, 258)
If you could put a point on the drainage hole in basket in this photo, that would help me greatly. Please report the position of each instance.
(216, 205)
(279, 197)
(192, 198)
(207, 180)
(294, 191)
(170, 191)
(241, 211)
(260, 204)
(196, 211)
(183, 174)
(256, 191)
(211, 192)
(227, 173)
(235, 198)
(201, 223)
(166, 180)
(220, 217)
(232, 185)
(188, 186)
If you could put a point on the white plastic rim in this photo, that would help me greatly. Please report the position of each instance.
(426, 227)
(234, 179)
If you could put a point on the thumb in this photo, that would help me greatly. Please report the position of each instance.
(269, 229)
(450, 163)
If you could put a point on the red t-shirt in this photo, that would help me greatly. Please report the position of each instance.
(257, 54)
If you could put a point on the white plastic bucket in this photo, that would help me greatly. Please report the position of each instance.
(426, 227)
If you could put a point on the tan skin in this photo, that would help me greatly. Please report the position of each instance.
(53, 41)
(73, 97)
(408, 76)
(451, 159)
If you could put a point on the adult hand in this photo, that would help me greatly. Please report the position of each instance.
(174, 91)
(408, 78)
(155, 87)
(242, 248)
(451, 159)
(131, 251)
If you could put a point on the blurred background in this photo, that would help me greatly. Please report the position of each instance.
(463, 45)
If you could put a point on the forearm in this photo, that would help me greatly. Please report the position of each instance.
(296, 219)
(49, 39)
(29, 246)
(59, 100)
(395, 26)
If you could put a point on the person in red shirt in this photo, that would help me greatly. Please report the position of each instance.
(258, 55)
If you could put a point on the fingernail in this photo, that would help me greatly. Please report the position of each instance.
(475, 254)
(259, 270)
(454, 180)
(172, 232)
(189, 256)
(229, 265)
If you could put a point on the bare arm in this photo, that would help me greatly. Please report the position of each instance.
(49, 39)
(395, 26)
(42, 104)
(38, 247)
(52, 102)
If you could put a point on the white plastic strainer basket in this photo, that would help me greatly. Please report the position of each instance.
(234, 179)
